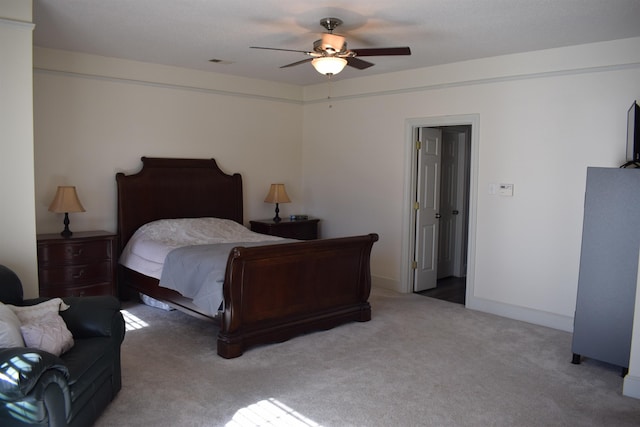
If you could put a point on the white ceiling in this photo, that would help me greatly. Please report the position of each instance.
(188, 33)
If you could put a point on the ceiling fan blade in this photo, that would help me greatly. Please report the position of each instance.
(297, 63)
(358, 63)
(285, 50)
(382, 51)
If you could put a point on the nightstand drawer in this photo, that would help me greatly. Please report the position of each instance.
(83, 264)
(77, 291)
(74, 253)
(306, 229)
(78, 274)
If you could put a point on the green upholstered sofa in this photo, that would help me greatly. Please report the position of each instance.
(73, 389)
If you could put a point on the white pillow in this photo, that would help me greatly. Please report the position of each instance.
(48, 333)
(10, 335)
(32, 312)
(42, 326)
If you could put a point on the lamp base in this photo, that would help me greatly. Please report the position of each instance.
(66, 233)
(277, 217)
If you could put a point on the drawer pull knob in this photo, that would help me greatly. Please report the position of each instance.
(74, 252)
(79, 274)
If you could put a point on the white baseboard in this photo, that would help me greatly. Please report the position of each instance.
(537, 317)
(386, 283)
(631, 386)
(529, 315)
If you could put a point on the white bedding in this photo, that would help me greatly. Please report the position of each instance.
(148, 247)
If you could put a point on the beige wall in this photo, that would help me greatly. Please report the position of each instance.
(17, 216)
(543, 118)
(97, 116)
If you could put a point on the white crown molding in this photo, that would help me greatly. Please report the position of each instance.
(185, 87)
(29, 26)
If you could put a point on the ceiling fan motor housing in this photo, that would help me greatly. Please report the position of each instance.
(330, 44)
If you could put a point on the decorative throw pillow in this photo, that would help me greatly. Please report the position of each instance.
(10, 335)
(48, 333)
(42, 326)
(31, 312)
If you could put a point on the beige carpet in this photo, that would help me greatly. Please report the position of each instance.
(418, 362)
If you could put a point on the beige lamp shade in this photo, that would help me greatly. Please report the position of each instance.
(277, 194)
(66, 200)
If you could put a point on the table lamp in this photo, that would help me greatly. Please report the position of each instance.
(65, 201)
(277, 194)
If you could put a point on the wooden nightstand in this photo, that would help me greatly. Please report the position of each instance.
(84, 264)
(304, 229)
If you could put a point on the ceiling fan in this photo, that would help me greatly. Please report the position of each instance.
(330, 54)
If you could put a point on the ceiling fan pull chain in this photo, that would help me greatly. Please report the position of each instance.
(329, 89)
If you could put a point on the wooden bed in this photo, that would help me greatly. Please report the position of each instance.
(271, 293)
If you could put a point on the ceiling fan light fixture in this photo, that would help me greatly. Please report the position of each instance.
(329, 65)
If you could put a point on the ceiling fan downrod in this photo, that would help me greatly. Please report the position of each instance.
(330, 23)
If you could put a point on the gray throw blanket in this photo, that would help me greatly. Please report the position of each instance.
(197, 272)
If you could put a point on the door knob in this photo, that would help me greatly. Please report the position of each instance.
(438, 216)
(455, 212)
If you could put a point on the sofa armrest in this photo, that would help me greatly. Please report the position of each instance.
(93, 316)
(22, 367)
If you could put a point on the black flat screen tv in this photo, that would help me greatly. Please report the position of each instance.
(633, 133)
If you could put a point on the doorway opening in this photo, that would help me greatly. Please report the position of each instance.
(452, 289)
(441, 192)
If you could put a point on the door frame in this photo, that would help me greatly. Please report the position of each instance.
(462, 193)
(408, 212)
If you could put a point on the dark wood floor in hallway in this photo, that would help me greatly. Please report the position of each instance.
(450, 289)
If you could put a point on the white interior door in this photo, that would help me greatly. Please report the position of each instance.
(448, 203)
(427, 206)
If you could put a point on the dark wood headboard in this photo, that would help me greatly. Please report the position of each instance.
(168, 188)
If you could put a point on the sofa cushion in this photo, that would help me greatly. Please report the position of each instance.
(87, 361)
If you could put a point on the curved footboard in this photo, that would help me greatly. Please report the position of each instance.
(273, 293)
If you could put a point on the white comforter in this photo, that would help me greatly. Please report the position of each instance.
(148, 247)
(197, 249)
